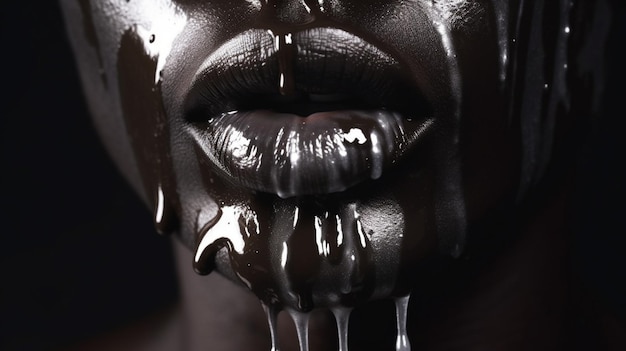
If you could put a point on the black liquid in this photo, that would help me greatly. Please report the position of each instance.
(148, 129)
(284, 265)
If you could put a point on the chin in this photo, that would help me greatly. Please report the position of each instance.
(317, 160)
(316, 164)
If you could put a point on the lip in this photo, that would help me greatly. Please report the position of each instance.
(350, 112)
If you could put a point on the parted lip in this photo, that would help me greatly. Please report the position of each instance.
(351, 111)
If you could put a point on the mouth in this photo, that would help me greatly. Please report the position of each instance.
(312, 113)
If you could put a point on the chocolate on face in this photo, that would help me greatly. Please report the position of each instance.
(315, 151)
(358, 135)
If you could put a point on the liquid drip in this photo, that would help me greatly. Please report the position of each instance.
(244, 231)
(164, 216)
(286, 57)
(245, 243)
(402, 339)
(148, 128)
(451, 221)
(328, 253)
(556, 78)
(272, 314)
(358, 256)
(215, 235)
(333, 237)
(301, 320)
(546, 27)
(210, 242)
(282, 29)
(324, 236)
(502, 25)
(342, 317)
(303, 260)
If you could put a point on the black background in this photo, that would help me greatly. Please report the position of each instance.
(78, 253)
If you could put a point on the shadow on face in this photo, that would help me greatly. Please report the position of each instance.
(322, 153)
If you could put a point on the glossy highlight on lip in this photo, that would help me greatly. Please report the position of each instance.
(326, 152)
(255, 128)
(347, 115)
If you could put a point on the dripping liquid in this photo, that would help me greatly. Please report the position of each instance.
(339, 229)
(287, 266)
(148, 129)
(320, 237)
(342, 317)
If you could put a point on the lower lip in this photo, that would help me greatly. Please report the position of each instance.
(290, 155)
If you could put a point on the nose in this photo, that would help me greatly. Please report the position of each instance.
(290, 12)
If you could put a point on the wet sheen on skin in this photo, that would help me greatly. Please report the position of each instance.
(259, 231)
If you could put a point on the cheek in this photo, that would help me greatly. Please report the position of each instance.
(461, 14)
(114, 75)
(142, 52)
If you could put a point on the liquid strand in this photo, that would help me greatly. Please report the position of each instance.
(342, 316)
(286, 57)
(301, 321)
(272, 313)
(402, 340)
(164, 215)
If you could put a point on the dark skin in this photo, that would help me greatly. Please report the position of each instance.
(494, 301)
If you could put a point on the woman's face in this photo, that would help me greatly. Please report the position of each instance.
(315, 151)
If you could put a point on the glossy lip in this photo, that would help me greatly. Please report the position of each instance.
(351, 113)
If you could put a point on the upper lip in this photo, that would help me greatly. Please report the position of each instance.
(332, 67)
(331, 70)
